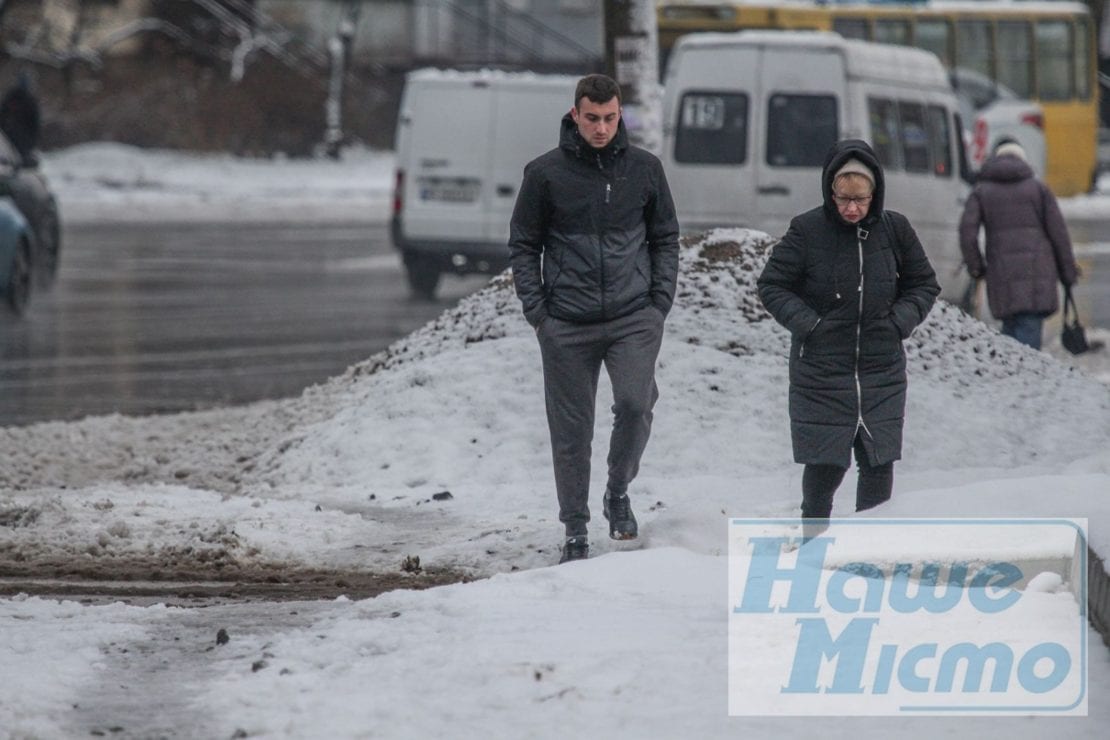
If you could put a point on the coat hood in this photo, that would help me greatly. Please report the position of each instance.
(1005, 169)
(570, 140)
(838, 155)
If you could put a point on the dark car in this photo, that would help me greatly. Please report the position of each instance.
(15, 258)
(23, 182)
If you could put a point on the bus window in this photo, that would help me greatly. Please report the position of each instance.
(935, 36)
(1054, 60)
(884, 131)
(800, 129)
(973, 47)
(915, 142)
(851, 28)
(712, 128)
(939, 140)
(1015, 62)
(1083, 58)
(892, 32)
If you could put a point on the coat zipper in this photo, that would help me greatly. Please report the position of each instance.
(601, 237)
(859, 323)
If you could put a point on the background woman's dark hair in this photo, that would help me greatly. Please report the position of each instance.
(598, 88)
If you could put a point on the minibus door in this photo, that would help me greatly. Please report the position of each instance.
(802, 109)
(707, 133)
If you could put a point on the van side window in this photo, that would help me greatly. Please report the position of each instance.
(800, 129)
(940, 141)
(911, 136)
(961, 151)
(915, 141)
(712, 128)
(885, 136)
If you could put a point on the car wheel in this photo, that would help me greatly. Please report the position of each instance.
(423, 277)
(50, 249)
(19, 280)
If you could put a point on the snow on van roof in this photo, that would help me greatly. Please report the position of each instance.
(431, 73)
(1000, 6)
(865, 59)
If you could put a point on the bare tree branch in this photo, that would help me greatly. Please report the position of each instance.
(249, 30)
(95, 56)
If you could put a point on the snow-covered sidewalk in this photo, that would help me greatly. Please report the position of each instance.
(631, 643)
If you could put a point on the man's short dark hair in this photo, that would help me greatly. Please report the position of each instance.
(598, 88)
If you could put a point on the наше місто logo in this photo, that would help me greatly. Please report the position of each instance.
(885, 617)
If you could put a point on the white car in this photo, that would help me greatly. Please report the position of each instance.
(993, 114)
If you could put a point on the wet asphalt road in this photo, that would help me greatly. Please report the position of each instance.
(160, 317)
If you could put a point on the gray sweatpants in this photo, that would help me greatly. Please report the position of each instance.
(572, 358)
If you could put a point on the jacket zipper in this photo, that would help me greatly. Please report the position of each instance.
(859, 323)
(601, 238)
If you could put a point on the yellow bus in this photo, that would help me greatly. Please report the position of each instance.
(1043, 51)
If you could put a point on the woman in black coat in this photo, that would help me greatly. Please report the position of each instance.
(850, 282)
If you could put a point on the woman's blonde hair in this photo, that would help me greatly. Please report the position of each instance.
(853, 177)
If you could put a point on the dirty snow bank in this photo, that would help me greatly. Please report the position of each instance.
(457, 407)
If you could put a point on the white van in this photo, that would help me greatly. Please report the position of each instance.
(750, 116)
(463, 139)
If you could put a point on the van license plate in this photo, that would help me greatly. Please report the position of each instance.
(449, 190)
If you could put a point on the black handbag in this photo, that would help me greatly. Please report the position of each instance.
(1074, 336)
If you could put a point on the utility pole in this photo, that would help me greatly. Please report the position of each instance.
(339, 50)
(632, 59)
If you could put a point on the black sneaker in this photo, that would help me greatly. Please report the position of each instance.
(618, 510)
(575, 548)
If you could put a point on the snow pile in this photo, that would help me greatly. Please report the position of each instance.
(972, 391)
(457, 408)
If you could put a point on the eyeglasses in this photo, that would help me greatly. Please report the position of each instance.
(843, 201)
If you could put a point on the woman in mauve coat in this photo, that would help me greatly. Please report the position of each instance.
(1028, 247)
(850, 282)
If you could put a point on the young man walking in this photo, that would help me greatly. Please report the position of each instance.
(594, 251)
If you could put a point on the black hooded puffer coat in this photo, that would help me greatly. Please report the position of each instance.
(603, 222)
(849, 295)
